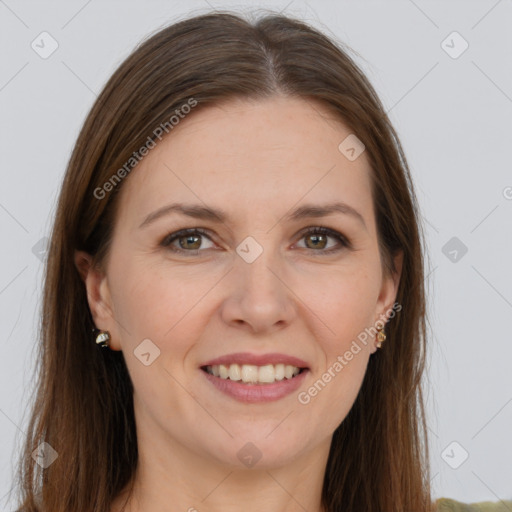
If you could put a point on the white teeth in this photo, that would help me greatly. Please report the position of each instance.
(223, 371)
(253, 374)
(249, 373)
(235, 373)
(266, 373)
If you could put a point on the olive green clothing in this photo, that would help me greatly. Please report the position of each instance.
(449, 505)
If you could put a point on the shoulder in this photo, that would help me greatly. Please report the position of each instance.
(449, 505)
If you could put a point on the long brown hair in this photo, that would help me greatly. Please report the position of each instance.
(83, 408)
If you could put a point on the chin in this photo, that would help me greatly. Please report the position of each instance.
(259, 451)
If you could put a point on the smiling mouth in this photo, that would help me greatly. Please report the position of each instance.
(252, 374)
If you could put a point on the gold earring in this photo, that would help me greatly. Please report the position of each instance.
(103, 339)
(381, 336)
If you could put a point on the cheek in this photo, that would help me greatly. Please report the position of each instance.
(347, 308)
(152, 302)
(162, 302)
(345, 302)
(347, 305)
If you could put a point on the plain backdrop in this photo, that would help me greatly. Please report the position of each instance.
(443, 71)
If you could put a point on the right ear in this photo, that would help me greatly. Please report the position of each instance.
(98, 295)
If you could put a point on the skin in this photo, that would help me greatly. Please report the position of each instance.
(255, 160)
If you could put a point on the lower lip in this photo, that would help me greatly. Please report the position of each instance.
(257, 392)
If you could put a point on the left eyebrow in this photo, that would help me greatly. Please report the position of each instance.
(315, 211)
(214, 214)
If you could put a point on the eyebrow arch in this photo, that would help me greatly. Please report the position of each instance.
(216, 215)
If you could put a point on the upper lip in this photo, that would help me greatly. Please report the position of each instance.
(257, 359)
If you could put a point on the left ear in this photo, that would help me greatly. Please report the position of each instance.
(389, 289)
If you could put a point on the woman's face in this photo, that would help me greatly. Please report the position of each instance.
(254, 288)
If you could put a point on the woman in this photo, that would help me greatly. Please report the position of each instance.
(246, 369)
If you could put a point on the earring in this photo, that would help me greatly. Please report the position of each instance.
(103, 339)
(381, 336)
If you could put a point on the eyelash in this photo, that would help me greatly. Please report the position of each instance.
(319, 230)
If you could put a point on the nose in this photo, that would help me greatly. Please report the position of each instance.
(258, 297)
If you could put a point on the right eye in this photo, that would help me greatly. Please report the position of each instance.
(190, 240)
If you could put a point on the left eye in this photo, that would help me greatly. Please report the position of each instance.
(190, 240)
(319, 236)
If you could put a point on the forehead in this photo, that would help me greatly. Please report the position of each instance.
(250, 157)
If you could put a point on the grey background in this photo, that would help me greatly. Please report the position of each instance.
(454, 119)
